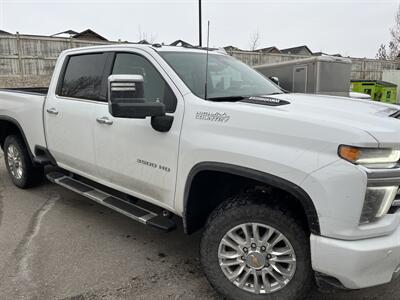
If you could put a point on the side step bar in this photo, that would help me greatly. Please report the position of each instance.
(124, 207)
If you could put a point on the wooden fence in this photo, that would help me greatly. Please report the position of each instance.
(362, 68)
(34, 56)
(30, 60)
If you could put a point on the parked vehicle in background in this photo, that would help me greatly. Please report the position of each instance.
(289, 189)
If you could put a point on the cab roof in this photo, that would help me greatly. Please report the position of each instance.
(155, 47)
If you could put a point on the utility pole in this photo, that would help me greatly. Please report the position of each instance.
(200, 42)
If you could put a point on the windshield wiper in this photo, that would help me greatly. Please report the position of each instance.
(227, 98)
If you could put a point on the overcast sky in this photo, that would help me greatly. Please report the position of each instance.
(351, 27)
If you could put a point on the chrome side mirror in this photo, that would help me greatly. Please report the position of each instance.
(126, 98)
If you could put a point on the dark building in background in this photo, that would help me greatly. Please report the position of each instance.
(300, 50)
(181, 43)
(269, 50)
(2, 32)
(89, 35)
(232, 48)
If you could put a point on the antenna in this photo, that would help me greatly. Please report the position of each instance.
(208, 42)
(200, 34)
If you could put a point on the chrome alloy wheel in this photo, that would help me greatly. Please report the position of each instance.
(14, 161)
(257, 258)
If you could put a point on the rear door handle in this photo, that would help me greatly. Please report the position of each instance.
(104, 120)
(52, 110)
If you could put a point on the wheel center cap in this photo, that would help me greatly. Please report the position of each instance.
(255, 260)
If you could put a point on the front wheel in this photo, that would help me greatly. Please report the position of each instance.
(252, 251)
(19, 164)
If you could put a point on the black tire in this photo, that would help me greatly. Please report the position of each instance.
(31, 175)
(246, 209)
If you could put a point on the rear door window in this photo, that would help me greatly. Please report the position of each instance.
(83, 77)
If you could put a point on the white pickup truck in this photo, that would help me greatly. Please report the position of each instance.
(288, 189)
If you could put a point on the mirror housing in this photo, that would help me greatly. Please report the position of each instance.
(274, 80)
(126, 98)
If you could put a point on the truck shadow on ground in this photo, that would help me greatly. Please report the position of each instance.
(177, 273)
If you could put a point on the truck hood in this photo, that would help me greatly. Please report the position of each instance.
(372, 117)
(341, 107)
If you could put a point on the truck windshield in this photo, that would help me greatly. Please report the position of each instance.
(228, 78)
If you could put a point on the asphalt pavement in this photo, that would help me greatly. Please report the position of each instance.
(55, 244)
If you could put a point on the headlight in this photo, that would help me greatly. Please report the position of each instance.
(373, 158)
(377, 202)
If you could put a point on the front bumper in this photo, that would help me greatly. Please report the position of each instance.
(357, 264)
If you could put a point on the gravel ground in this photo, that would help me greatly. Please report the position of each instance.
(55, 244)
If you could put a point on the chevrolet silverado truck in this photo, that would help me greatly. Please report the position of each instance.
(288, 190)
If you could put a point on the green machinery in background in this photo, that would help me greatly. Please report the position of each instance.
(379, 90)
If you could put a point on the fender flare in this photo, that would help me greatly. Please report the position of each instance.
(16, 123)
(272, 180)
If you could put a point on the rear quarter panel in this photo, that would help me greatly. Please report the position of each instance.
(27, 110)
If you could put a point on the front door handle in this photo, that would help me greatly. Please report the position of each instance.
(104, 120)
(52, 110)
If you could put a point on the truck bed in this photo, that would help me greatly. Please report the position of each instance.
(24, 108)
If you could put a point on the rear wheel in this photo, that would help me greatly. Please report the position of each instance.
(19, 164)
(250, 250)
